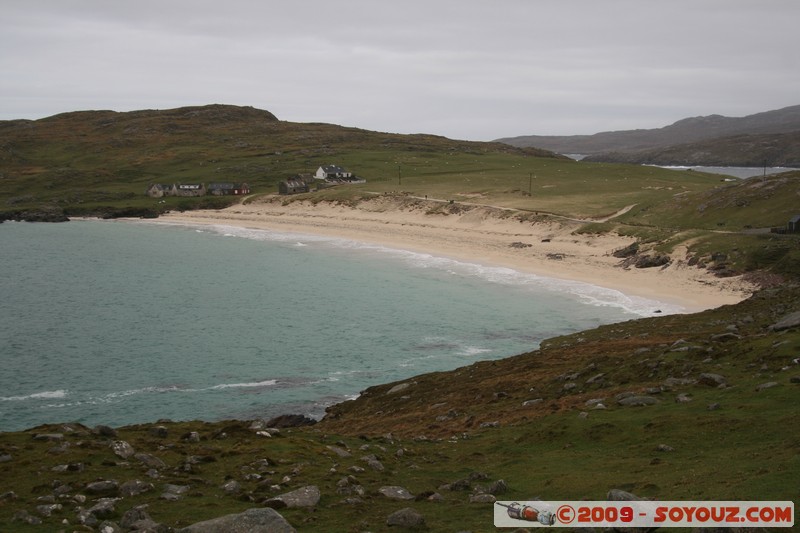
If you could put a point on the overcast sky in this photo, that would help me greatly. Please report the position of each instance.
(466, 69)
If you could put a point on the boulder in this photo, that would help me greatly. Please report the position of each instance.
(394, 492)
(303, 497)
(482, 498)
(712, 380)
(373, 462)
(103, 486)
(136, 515)
(789, 321)
(150, 460)
(638, 401)
(407, 517)
(135, 487)
(260, 520)
(122, 449)
(105, 431)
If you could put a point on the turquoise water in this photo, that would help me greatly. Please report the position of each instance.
(120, 323)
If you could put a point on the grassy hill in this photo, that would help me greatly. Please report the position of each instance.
(93, 162)
(722, 385)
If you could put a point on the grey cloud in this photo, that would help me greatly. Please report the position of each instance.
(465, 69)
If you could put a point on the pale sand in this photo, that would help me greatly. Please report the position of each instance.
(482, 235)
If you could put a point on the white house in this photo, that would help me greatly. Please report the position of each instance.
(332, 172)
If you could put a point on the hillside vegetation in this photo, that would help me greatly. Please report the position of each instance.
(95, 162)
(679, 407)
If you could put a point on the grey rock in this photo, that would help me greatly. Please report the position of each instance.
(528, 403)
(149, 460)
(407, 517)
(104, 507)
(678, 382)
(398, 388)
(192, 436)
(498, 487)
(49, 509)
(617, 495)
(712, 380)
(596, 378)
(105, 431)
(133, 516)
(231, 487)
(135, 487)
(83, 516)
(5, 458)
(160, 432)
(637, 401)
(103, 486)
(767, 385)
(482, 498)
(713, 406)
(259, 520)
(24, 516)
(373, 462)
(664, 448)
(107, 526)
(394, 492)
(341, 452)
(722, 337)
(789, 321)
(122, 449)
(52, 437)
(174, 492)
(794, 379)
(303, 497)
(683, 398)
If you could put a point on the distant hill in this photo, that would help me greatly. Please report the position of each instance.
(683, 132)
(774, 149)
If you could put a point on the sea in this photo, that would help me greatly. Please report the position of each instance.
(126, 322)
(730, 172)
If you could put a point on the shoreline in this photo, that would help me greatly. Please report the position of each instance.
(487, 236)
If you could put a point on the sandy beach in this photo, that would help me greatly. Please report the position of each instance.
(488, 236)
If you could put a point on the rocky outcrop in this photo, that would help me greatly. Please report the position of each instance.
(258, 520)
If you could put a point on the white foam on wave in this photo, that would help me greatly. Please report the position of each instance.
(473, 350)
(44, 395)
(255, 384)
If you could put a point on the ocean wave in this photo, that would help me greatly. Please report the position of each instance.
(255, 384)
(44, 395)
(473, 350)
